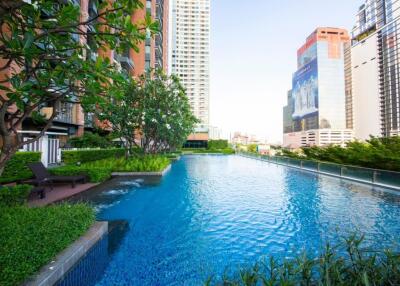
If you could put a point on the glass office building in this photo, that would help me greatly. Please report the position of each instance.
(318, 99)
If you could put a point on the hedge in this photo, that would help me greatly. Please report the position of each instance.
(217, 144)
(83, 156)
(95, 174)
(17, 167)
(14, 196)
(31, 237)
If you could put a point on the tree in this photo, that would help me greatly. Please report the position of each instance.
(120, 109)
(166, 117)
(153, 107)
(46, 48)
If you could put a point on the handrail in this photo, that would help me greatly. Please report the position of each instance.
(376, 177)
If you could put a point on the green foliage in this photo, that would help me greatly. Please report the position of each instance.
(148, 163)
(100, 171)
(379, 153)
(228, 151)
(32, 237)
(155, 105)
(83, 156)
(252, 148)
(15, 195)
(48, 63)
(95, 174)
(346, 264)
(90, 140)
(218, 144)
(17, 167)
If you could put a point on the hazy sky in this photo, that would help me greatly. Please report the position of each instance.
(253, 56)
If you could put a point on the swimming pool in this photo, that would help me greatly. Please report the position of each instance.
(210, 214)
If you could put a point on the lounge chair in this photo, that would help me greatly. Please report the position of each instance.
(40, 191)
(42, 176)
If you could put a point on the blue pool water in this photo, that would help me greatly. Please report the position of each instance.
(210, 214)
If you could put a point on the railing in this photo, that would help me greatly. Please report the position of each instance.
(376, 177)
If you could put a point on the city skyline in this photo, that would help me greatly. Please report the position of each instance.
(249, 87)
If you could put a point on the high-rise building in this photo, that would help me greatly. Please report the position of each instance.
(375, 57)
(153, 53)
(316, 110)
(190, 54)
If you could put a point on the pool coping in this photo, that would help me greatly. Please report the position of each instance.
(390, 187)
(142, 174)
(51, 273)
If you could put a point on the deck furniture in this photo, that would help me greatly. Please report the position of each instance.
(43, 177)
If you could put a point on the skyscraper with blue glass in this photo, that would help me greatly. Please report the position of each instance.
(317, 101)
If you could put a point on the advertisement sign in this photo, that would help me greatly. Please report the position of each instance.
(307, 55)
(305, 91)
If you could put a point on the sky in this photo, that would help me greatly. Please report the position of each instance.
(253, 56)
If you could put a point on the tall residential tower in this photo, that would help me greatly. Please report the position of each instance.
(190, 54)
(316, 110)
(376, 69)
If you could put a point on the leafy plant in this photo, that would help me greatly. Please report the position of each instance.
(90, 140)
(348, 263)
(15, 195)
(217, 144)
(84, 156)
(32, 237)
(17, 167)
(154, 108)
(46, 53)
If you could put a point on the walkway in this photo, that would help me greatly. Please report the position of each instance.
(59, 193)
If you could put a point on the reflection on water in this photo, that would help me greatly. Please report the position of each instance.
(211, 213)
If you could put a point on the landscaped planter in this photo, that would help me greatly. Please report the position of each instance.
(132, 174)
(51, 273)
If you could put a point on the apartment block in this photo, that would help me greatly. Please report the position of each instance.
(375, 57)
(190, 54)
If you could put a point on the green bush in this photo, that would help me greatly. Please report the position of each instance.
(95, 174)
(84, 156)
(346, 264)
(148, 163)
(100, 171)
(218, 144)
(17, 167)
(378, 153)
(90, 140)
(15, 195)
(32, 237)
(228, 151)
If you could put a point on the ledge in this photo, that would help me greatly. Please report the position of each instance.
(142, 174)
(66, 260)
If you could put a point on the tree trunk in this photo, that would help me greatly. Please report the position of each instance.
(8, 149)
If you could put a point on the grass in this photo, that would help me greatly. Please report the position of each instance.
(348, 263)
(31, 237)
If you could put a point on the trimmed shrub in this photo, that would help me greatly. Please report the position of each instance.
(218, 144)
(14, 196)
(147, 163)
(84, 156)
(95, 175)
(90, 140)
(17, 167)
(32, 237)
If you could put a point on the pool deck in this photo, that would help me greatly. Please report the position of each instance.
(59, 193)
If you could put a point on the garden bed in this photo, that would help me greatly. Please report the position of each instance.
(31, 237)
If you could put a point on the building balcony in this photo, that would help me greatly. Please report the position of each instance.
(125, 61)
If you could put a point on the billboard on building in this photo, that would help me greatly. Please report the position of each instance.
(305, 91)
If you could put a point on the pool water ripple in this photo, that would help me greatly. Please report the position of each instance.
(210, 214)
